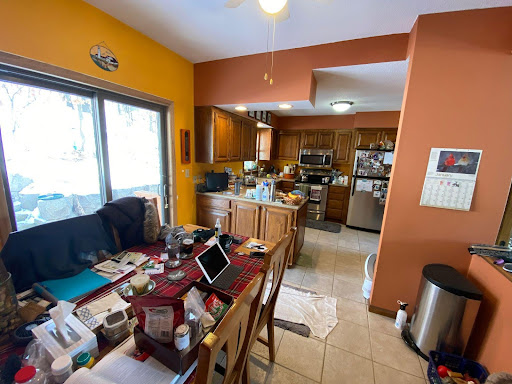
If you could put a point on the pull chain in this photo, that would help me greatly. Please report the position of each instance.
(266, 55)
(273, 45)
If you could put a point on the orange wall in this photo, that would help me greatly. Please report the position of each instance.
(460, 66)
(239, 80)
(61, 32)
(490, 341)
(386, 119)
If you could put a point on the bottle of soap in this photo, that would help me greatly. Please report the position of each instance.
(218, 229)
(264, 193)
(401, 316)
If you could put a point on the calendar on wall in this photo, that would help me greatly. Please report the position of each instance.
(451, 178)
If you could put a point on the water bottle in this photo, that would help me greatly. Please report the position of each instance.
(218, 229)
(273, 191)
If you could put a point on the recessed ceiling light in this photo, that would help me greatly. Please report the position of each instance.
(241, 108)
(272, 6)
(260, 125)
(285, 106)
(341, 106)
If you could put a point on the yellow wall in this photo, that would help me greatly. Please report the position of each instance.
(61, 32)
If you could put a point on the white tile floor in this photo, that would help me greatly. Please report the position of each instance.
(364, 348)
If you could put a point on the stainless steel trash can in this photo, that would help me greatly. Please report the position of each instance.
(445, 311)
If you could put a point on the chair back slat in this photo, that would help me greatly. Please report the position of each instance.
(233, 335)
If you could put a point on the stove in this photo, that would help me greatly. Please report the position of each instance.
(314, 183)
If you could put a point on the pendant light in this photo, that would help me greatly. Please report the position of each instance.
(272, 6)
(341, 106)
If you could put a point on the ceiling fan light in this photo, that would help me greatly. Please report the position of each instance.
(241, 108)
(341, 106)
(272, 6)
(285, 106)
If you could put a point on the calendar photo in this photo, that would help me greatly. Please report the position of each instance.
(460, 162)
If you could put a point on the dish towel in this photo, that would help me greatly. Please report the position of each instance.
(318, 312)
(316, 193)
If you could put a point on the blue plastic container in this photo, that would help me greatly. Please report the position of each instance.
(456, 364)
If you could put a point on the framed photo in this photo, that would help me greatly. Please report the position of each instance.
(264, 116)
(251, 113)
(258, 115)
(269, 118)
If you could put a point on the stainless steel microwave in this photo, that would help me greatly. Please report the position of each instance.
(316, 158)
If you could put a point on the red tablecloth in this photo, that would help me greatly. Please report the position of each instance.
(163, 286)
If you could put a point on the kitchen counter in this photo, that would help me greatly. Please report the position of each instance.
(241, 197)
(338, 185)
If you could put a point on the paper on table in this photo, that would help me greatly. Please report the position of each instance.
(258, 246)
(155, 271)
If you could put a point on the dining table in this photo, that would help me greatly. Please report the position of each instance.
(239, 255)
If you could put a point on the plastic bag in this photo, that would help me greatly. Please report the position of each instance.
(194, 309)
(35, 354)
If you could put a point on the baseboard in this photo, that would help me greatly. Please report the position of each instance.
(382, 311)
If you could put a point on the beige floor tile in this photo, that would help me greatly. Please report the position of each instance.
(308, 244)
(322, 248)
(343, 262)
(261, 349)
(352, 311)
(259, 369)
(327, 237)
(424, 367)
(348, 253)
(368, 247)
(312, 231)
(326, 269)
(349, 244)
(348, 290)
(294, 274)
(392, 352)
(317, 282)
(345, 229)
(282, 375)
(300, 354)
(323, 256)
(351, 338)
(387, 375)
(304, 260)
(352, 275)
(342, 367)
(383, 324)
(368, 236)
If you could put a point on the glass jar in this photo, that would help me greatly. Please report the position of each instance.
(29, 375)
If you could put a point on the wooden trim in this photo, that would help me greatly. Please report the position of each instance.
(382, 311)
(67, 74)
(171, 168)
(506, 223)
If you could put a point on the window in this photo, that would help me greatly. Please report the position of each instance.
(67, 149)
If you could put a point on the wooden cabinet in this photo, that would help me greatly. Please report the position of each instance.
(221, 136)
(235, 147)
(309, 140)
(245, 219)
(275, 222)
(264, 143)
(207, 217)
(286, 186)
(389, 134)
(317, 140)
(288, 145)
(337, 203)
(342, 147)
(248, 142)
(325, 140)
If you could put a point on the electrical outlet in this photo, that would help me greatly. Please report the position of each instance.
(187, 172)
(195, 179)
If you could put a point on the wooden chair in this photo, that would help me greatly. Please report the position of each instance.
(233, 335)
(275, 261)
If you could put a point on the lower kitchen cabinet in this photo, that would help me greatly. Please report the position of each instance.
(252, 219)
(245, 219)
(286, 186)
(275, 222)
(337, 203)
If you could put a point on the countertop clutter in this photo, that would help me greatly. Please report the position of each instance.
(231, 196)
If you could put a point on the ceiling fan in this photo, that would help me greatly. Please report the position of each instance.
(277, 8)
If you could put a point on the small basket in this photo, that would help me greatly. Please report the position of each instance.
(289, 201)
(456, 364)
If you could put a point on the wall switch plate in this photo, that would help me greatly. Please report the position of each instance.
(187, 172)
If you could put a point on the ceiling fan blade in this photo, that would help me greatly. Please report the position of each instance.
(324, 1)
(233, 3)
(284, 14)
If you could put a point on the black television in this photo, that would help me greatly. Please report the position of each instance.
(216, 182)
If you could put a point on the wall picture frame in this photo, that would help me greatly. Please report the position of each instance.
(250, 114)
(264, 116)
(269, 118)
(258, 115)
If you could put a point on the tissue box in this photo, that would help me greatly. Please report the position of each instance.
(83, 339)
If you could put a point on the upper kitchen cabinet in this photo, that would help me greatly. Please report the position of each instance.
(265, 143)
(288, 145)
(366, 136)
(389, 134)
(342, 142)
(317, 140)
(325, 140)
(221, 136)
(309, 139)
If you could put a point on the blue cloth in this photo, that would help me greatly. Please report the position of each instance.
(55, 250)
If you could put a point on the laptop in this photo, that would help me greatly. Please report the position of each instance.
(217, 269)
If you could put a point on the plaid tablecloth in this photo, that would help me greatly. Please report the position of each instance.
(163, 286)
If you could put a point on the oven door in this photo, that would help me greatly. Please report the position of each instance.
(317, 199)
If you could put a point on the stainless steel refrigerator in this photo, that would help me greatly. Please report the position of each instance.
(370, 180)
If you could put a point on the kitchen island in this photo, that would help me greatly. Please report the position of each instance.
(264, 220)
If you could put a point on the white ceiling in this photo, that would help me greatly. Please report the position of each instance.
(372, 87)
(203, 30)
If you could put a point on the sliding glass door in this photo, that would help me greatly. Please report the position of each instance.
(68, 150)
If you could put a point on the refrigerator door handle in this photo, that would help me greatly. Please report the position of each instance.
(354, 182)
